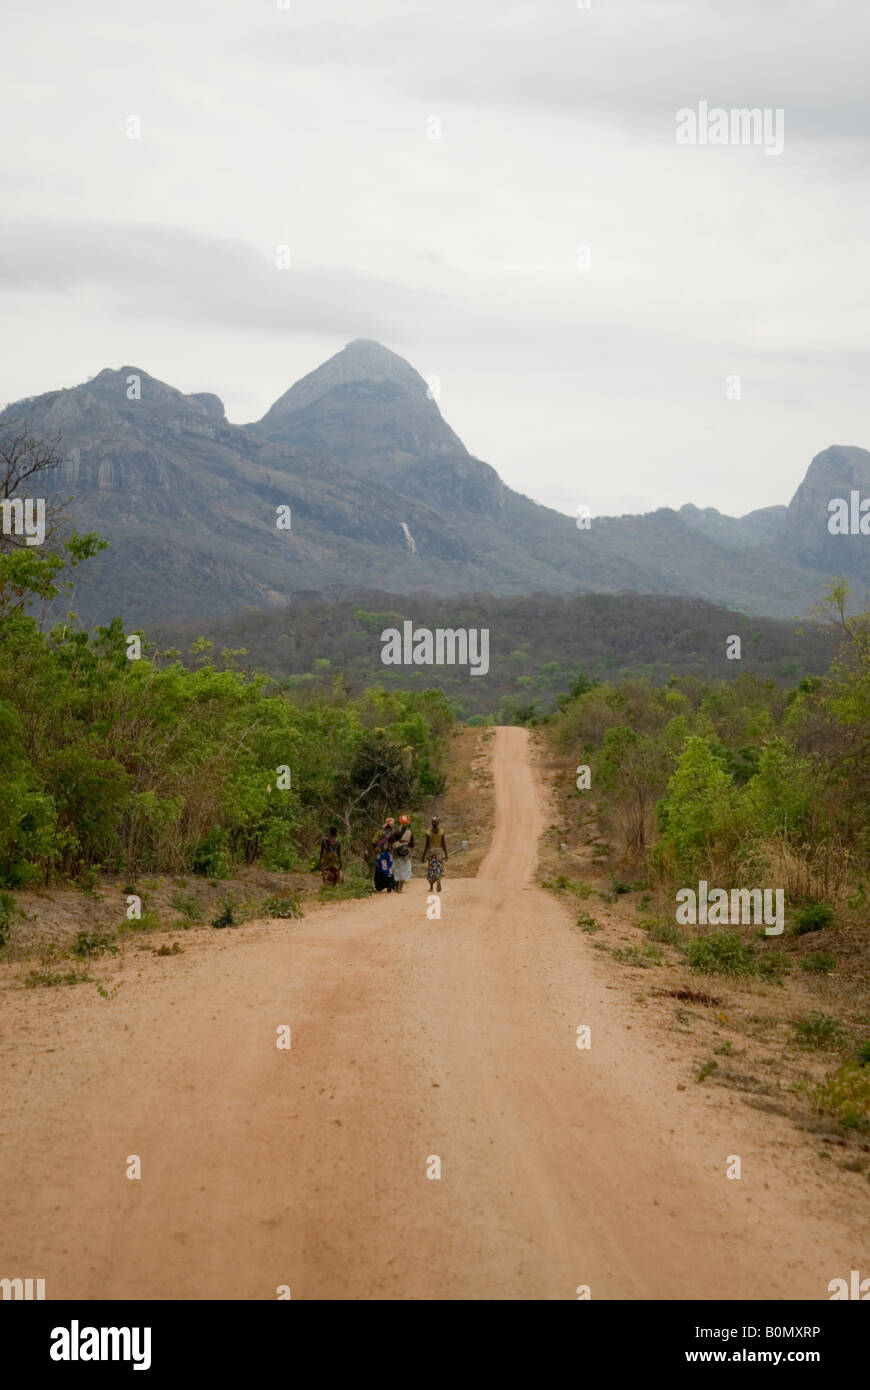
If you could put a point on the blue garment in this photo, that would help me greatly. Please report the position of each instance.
(384, 872)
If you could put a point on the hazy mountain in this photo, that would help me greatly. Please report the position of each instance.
(835, 473)
(382, 494)
(756, 528)
(366, 407)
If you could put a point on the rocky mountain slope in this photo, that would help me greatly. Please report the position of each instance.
(382, 494)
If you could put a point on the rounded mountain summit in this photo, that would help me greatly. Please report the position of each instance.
(366, 406)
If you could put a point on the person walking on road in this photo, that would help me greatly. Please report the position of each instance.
(329, 863)
(401, 846)
(435, 850)
(383, 858)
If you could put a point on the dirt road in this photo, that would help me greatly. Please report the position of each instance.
(411, 1039)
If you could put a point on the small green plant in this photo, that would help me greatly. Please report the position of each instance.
(9, 910)
(586, 922)
(93, 943)
(618, 886)
(108, 993)
(724, 1049)
(188, 904)
(813, 917)
(666, 932)
(818, 1033)
(226, 917)
(88, 880)
(862, 1054)
(149, 921)
(721, 953)
(210, 857)
(355, 885)
(173, 950)
(563, 884)
(639, 955)
(845, 1095)
(47, 979)
(773, 965)
(706, 1070)
(820, 964)
(282, 907)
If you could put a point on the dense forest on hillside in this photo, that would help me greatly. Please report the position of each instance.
(539, 645)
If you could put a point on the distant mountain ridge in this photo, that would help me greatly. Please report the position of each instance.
(383, 494)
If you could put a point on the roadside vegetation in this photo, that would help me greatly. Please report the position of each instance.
(740, 784)
(122, 761)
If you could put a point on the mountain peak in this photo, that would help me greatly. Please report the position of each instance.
(365, 404)
(363, 344)
(361, 360)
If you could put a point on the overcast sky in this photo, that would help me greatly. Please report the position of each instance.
(309, 127)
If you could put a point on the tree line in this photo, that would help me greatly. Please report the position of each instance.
(736, 782)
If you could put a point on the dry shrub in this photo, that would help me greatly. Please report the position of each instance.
(820, 872)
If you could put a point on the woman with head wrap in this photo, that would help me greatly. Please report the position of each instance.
(401, 846)
(435, 850)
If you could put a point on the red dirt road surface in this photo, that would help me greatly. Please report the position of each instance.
(411, 1039)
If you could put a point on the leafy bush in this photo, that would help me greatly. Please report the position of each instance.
(562, 884)
(659, 930)
(586, 922)
(210, 856)
(813, 917)
(638, 955)
(47, 979)
(91, 943)
(846, 1095)
(9, 910)
(277, 850)
(89, 879)
(773, 965)
(282, 907)
(818, 1032)
(698, 810)
(226, 917)
(721, 953)
(821, 964)
(355, 885)
(149, 921)
(188, 904)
